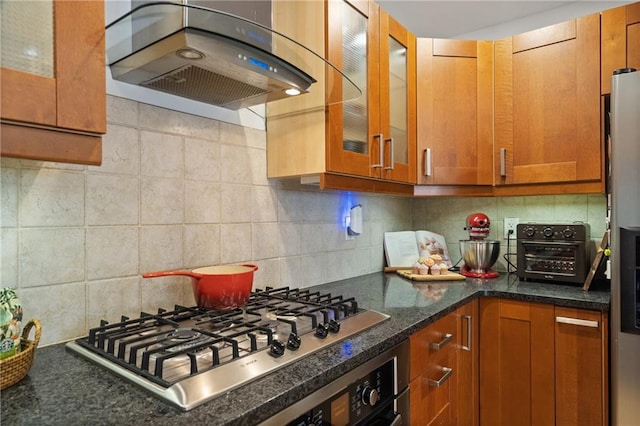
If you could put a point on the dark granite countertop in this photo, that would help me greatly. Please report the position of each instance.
(62, 388)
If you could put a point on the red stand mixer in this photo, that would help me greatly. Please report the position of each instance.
(478, 253)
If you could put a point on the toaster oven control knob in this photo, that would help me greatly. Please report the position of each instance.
(369, 396)
(529, 231)
(548, 232)
(568, 233)
(277, 348)
(322, 330)
(294, 341)
(334, 326)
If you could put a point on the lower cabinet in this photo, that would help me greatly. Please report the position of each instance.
(507, 362)
(443, 386)
(542, 365)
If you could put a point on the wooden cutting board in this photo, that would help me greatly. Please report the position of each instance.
(449, 276)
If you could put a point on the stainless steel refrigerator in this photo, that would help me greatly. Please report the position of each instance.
(625, 248)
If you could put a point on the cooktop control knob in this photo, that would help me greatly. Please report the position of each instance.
(548, 232)
(277, 348)
(529, 231)
(369, 396)
(568, 232)
(322, 330)
(334, 326)
(294, 341)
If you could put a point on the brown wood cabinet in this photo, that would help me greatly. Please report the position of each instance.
(620, 40)
(542, 365)
(581, 367)
(348, 143)
(443, 388)
(468, 377)
(455, 106)
(61, 117)
(547, 109)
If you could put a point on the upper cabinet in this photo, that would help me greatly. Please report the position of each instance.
(547, 109)
(620, 41)
(53, 103)
(455, 128)
(360, 142)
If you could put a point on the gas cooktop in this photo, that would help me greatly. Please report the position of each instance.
(188, 355)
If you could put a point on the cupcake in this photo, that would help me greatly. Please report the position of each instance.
(435, 270)
(436, 258)
(415, 269)
(423, 269)
(444, 269)
(429, 262)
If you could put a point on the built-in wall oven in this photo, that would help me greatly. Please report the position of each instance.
(553, 252)
(375, 393)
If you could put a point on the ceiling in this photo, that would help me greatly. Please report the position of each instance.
(486, 19)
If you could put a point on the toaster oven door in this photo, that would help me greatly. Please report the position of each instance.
(561, 261)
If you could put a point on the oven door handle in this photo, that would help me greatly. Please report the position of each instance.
(397, 420)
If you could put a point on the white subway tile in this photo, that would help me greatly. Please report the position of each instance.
(201, 245)
(202, 202)
(264, 204)
(161, 248)
(236, 164)
(202, 160)
(265, 241)
(235, 242)
(236, 203)
(109, 300)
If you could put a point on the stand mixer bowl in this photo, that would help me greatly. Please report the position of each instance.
(479, 255)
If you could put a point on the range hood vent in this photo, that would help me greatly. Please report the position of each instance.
(214, 57)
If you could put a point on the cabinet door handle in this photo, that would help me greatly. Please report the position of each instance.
(391, 156)
(577, 321)
(503, 162)
(437, 383)
(437, 346)
(427, 162)
(468, 346)
(380, 137)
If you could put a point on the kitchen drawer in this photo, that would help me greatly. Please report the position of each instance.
(433, 394)
(432, 341)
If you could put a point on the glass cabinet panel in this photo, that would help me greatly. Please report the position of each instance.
(354, 55)
(398, 100)
(27, 36)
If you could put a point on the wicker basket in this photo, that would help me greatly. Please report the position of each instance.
(13, 369)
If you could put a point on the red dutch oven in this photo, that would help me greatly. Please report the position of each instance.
(220, 287)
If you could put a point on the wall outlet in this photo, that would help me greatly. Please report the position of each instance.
(510, 224)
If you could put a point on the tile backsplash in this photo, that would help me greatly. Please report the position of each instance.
(181, 191)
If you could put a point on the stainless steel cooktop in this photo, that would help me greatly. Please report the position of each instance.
(188, 356)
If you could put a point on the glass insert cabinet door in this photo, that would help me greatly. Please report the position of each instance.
(52, 64)
(372, 135)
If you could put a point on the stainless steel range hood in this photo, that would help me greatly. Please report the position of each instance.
(211, 56)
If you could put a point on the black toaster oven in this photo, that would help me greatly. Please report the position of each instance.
(553, 252)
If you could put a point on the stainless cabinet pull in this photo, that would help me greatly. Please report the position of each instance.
(503, 162)
(468, 346)
(380, 136)
(427, 162)
(576, 321)
(437, 383)
(437, 346)
(391, 156)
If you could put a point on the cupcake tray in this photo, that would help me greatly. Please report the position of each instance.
(449, 276)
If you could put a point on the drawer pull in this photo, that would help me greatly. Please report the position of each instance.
(437, 383)
(576, 321)
(437, 346)
(391, 154)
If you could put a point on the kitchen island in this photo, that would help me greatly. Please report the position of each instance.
(62, 388)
